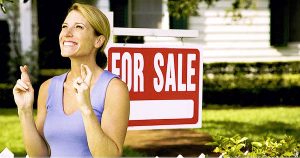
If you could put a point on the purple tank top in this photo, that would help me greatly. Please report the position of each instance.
(65, 134)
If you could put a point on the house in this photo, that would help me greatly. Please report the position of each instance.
(253, 38)
(267, 33)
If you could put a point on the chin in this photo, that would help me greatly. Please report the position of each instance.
(66, 54)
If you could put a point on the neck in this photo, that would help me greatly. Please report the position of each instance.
(76, 67)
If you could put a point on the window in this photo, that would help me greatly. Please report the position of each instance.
(145, 13)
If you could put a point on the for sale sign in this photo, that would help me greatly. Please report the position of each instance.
(165, 85)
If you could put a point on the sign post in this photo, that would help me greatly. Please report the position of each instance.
(165, 84)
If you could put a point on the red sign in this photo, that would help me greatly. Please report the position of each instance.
(165, 85)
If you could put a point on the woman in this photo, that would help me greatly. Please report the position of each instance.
(84, 112)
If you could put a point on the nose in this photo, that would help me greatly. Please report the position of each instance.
(69, 32)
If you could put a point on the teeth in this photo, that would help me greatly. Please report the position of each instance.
(69, 43)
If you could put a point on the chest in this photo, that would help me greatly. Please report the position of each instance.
(65, 134)
(70, 103)
(69, 100)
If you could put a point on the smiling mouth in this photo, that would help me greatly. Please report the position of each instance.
(69, 43)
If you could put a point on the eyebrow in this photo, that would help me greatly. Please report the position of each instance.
(75, 23)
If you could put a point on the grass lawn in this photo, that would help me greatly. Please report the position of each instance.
(254, 123)
(10, 132)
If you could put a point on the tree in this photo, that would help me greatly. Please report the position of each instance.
(2, 4)
(186, 8)
(17, 57)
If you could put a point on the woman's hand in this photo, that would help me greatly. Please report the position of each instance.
(23, 91)
(82, 87)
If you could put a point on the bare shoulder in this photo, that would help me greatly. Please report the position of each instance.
(116, 114)
(45, 85)
(43, 93)
(117, 92)
(41, 106)
(117, 85)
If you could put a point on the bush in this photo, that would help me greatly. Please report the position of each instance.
(269, 147)
(252, 83)
(253, 68)
(268, 83)
(6, 95)
(7, 98)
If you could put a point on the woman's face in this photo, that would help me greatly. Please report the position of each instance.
(77, 37)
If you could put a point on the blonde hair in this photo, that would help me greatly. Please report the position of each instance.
(98, 21)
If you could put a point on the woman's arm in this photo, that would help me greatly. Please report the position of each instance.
(23, 94)
(108, 139)
(42, 111)
(34, 142)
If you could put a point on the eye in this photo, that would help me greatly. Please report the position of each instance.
(64, 26)
(79, 27)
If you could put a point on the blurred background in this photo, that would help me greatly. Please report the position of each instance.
(251, 75)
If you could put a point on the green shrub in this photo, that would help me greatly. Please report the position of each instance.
(252, 68)
(252, 83)
(128, 152)
(230, 147)
(270, 147)
(6, 96)
(267, 83)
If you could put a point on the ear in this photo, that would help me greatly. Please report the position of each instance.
(99, 41)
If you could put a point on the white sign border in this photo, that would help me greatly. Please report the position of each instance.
(187, 46)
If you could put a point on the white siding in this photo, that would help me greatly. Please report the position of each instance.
(222, 36)
(103, 5)
(224, 39)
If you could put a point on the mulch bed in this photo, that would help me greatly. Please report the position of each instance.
(170, 142)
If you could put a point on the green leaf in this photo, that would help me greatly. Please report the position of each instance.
(240, 146)
(256, 144)
(288, 154)
(233, 140)
(3, 8)
(243, 139)
(2, 4)
(212, 143)
(217, 150)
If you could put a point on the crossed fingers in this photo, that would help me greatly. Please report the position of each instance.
(23, 83)
(83, 83)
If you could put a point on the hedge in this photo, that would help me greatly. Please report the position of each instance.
(6, 96)
(243, 84)
(253, 68)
